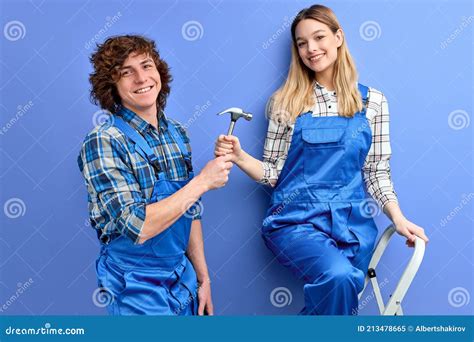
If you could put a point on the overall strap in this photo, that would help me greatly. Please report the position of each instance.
(141, 146)
(364, 92)
(181, 145)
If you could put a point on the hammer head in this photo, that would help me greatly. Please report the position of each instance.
(236, 113)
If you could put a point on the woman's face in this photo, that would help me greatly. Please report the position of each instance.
(317, 45)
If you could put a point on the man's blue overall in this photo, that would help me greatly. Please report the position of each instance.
(156, 277)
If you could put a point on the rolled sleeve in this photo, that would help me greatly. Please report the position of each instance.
(275, 148)
(121, 205)
(378, 182)
(376, 170)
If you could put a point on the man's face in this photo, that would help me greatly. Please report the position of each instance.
(139, 83)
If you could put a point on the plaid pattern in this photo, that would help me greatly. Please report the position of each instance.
(119, 181)
(376, 170)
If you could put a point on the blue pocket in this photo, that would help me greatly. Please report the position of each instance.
(323, 155)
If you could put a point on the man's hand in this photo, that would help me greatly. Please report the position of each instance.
(205, 299)
(216, 173)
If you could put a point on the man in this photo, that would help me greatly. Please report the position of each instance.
(143, 198)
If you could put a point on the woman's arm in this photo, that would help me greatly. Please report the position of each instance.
(403, 226)
(376, 169)
(275, 150)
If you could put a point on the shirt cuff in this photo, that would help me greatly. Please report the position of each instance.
(386, 198)
(130, 224)
(267, 174)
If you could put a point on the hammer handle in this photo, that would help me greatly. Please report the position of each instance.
(231, 128)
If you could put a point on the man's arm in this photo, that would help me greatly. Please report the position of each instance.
(102, 162)
(162, 214)
(195, 253)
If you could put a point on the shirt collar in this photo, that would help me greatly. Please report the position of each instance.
(322, 89)
(138, 123)
(162, 121)
(317, 85)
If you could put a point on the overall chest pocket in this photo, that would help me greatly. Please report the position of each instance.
(323, 155)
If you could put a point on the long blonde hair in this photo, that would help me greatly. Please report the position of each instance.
(295, 96)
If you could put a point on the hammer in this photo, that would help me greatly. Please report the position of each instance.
(236, 113)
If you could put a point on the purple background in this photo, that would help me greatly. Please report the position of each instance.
(418, 53)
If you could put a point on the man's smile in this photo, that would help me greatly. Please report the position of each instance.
(143, 90)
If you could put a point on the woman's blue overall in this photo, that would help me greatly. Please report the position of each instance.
(316, 225)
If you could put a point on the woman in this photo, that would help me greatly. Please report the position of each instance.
(327, 136)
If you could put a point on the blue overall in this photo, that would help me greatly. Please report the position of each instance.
(156, 277)
(316, 225)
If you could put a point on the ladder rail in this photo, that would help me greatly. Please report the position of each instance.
(393, 306)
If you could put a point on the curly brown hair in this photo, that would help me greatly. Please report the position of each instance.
(107, 60)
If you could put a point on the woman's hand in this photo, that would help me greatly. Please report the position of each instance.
(205, 299)
(410, 231)
(228, 144)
